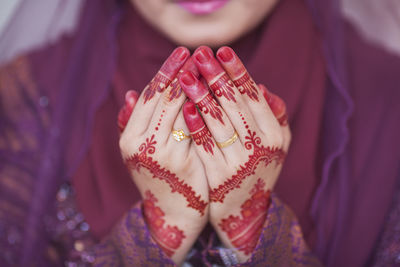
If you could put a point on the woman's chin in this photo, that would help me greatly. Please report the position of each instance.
(193, 42)
(213, 36)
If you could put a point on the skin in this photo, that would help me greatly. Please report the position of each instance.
(220, 98)
(176, 188)
(222, 27)
(221, 166)
(258, 153)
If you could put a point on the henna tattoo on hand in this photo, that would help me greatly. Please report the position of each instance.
(169, 238)
(143, 159)
(176, 90)
(203, 137)
(198, 130)
(260, 154)
(157, 84)
(223, 86)
(208, 105)
(166, 73)
(159, 120)
(246, 85)
(244, 230)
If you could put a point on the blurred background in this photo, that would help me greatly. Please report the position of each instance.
(377, 21)
(7, 7)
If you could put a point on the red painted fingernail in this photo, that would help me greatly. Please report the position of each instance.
(278, 104)
(202, 55)
(225, 54)
(210, 69)
(192, 117)
(190, 66)
(190, 108)
(187, 78)
(180, 54)
(194, 89)
(131, 98)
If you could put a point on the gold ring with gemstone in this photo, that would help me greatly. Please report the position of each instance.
(179, 135)
(228, 142)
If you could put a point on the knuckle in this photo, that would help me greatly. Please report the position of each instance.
(234, 108)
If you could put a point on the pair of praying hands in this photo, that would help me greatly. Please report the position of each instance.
(204, 143)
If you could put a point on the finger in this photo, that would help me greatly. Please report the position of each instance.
(225, 91)
(217, 121)
(277, 105)
(169, 105)
(188, 66)
(247, 87)
(238, 73)
(278, 108)
(124, 114)
(148, 100)
(201, 136)
(182, 136)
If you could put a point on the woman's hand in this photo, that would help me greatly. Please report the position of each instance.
(169, 174)
(242, 144)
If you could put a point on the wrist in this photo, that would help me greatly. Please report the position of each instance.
(241, 227)
(174, 234)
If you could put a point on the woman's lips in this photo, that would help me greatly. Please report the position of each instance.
(202, 7)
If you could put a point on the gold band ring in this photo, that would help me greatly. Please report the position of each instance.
(179, 135)
(228, 142)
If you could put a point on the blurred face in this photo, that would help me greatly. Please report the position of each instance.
(204, 22)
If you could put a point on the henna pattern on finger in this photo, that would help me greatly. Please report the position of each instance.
(143, 159)
(246, 85)
(259, 154)
(157, 84)
(176, 89)
(168, 237)
(203, 138)
(223, 86)
(245, 230)
(208, 105)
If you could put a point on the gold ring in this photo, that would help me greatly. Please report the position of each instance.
(228, 142)
(179, 135)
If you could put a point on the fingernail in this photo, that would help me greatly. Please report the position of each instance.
(278, 103)
(187, 78)
(190, 108)
(192, 117)
(180, 54)
(202, 56)
(130, 98)
(225, 54)
(190, 66)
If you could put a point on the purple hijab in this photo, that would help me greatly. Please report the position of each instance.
(358, 164)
